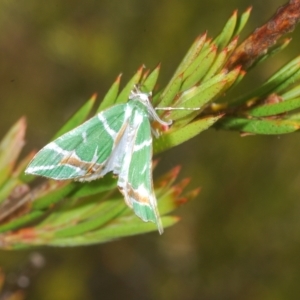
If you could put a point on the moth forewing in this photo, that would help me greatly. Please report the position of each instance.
(78, 152)
(115, 160)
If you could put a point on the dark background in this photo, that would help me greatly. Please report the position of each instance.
(240, 238)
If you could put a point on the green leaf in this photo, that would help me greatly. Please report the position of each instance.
(111, 96)
(275, 108)
(173, 197)
(217, 64)
(191, 55)
(105, 184)
(150, 81)
(255, 126)
(201, 96)
(124, 94)
(78, 118)
(126, 228)
(227, 32)
(292, 93)
(242, 21)
(239, 78)
(176, 137)
(51, 193)
(287, 83)
(170, 92)
(22, 221)
(272, 83)
(197, 70)
(10, 148)
(92, 223)
(20, 168)
(279, 46)
(71, 213)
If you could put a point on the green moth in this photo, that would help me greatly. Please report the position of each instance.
(117, 140)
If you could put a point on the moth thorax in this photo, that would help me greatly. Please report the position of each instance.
(144, 97)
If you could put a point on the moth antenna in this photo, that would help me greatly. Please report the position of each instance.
(177, 108)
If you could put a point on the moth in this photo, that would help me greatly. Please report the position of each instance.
(117, 140)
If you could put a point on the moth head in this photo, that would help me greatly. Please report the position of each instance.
(136, 93)
(144, 98)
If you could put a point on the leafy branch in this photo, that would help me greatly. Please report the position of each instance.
(69, 214)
